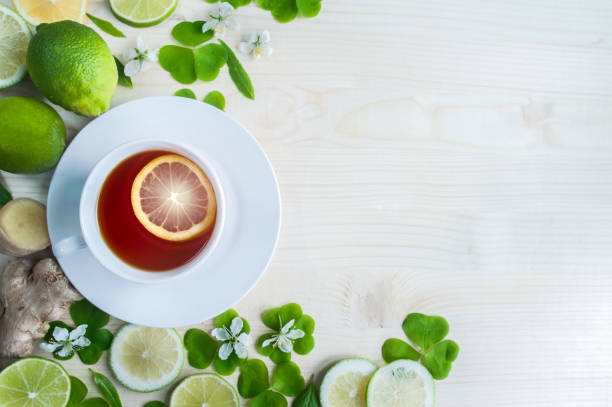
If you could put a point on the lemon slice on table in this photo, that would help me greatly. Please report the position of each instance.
(206, 389)
(345, 383)
(403, 383)
(142, 13)
(34, 382)
(15, 36)
(146, 359)
(49, 11)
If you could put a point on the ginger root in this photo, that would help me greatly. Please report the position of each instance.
(30, 298)
(23, 227)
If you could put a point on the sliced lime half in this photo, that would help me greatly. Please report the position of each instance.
(15, 36)
(142, 13)
(403, 383)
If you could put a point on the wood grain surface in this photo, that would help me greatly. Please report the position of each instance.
(441, 156)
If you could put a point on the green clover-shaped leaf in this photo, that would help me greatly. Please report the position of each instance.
(253, 378)
(190, 33)
(269, 398)
(100, 341)
(216, 99)
(78, 392)
(440, 357)
(428, 333)
(425, 330)
(309, 8)
(185, 93)
(84, 312)
(283, 11)
(208, 60)
(394, 349)
(155, 404)
(201, 348)
(279, 318)
(228, 366)
(178, 61)
(288, 379)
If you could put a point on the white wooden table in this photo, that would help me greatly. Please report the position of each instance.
(441, 156)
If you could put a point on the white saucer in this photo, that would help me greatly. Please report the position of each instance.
(252, 212)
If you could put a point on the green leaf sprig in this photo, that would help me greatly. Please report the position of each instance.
(294, 332)
(5, 195)
(309, 397)
(107, 389)
(285, 11)
(85, 313)
(427, 333)
(238, 74)
(122, 79)
(106, 26)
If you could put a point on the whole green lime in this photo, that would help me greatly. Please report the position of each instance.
(73, 67)
(32, 136)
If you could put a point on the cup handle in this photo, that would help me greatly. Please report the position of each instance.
(68, 246)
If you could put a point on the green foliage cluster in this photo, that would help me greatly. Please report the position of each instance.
(285, 11)
(78, 392)
(427, 333)
(84, 312)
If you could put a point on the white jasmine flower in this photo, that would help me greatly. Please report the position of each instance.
(220, 19)
(234, 340)
(284, 339)
(139, 59)
(65, 342)
(257, 44)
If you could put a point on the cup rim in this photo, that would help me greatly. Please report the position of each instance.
(88, 216)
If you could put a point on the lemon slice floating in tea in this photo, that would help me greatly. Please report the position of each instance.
(173, 198)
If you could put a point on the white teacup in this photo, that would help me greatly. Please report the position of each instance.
(91, 237)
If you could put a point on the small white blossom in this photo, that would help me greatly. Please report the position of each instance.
(140, 58)
(65, 342)
(220, 19)
(257, 44)
(234, 340)
(284, 339)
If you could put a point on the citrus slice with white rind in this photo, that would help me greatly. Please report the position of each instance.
(345, 383)
(15, 36)
(34, 382)
(146, 359)
(142, 13)
(49, 11)
(403, 383)
(205, 389)
(173, 198)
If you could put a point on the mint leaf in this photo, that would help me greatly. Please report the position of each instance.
(121, 78)
(5, 195)
(276, 318)
(266, 4)
(106, 26)
(425, 330)
(394, 349)
(288, 379)
(238, 74)
(439, 359)
(201, 348)
(216, 99)
(78, 392)
(107, 389)
(284, 11)
(208, 61)
(190, 33)
(178, 61)
(309, 397)
(309, 8)
(253, 378)
(185, 93)
(269, 398)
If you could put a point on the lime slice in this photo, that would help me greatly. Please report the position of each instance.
(34, 382)
(142, 13)
(15, 36)
(403, 383)
(344, 385)
(146, 359)
(206, 389)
